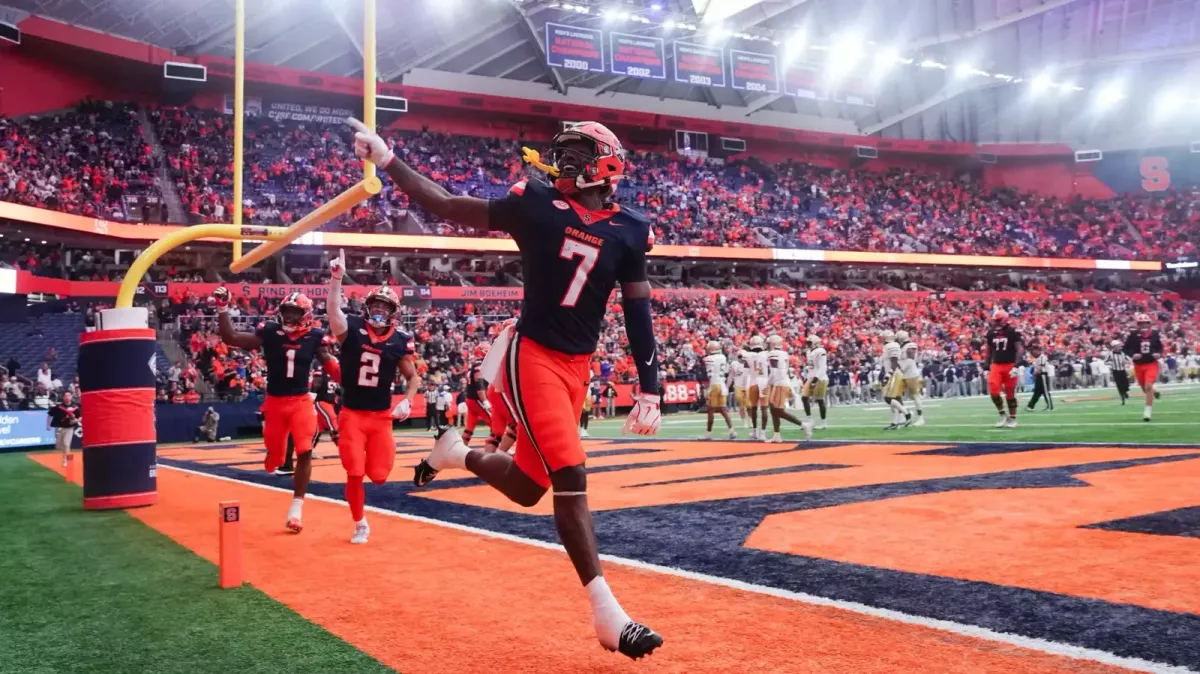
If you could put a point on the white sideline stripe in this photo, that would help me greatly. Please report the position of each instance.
(1031, 643)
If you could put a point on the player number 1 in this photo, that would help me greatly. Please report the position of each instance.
(368, 371)
(570, 250)
(291, 366)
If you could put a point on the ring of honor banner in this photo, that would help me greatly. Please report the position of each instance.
(574, 48)
(698, 64)
(753, 72)
(637, 56)
(806, 81)
(116, 377)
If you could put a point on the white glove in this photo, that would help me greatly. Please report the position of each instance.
(402, 410)
(368, 145)
(487, 405)
(337, 266)
(645, 417)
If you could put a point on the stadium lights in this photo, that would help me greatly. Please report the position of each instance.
(1041, 83)
(656, 7)
(964, 70)
(1109, 95)
(844, 53)
(669, 24)
(928, 63)
(1169, 102)
(794, 46)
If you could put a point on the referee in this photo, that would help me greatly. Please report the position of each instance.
(1118, 362)
(1041, 378)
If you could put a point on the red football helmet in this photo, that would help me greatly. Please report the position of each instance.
(586, 154)
(381, 305)
(1000, 318)
(296, 312)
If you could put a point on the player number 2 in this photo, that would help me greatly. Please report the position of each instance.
(570, 250)
(291, 366)
(368, 371)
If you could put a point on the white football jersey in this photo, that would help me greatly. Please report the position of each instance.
(890, 350)
(818, 364)
(756, 363)
(737, 373)
(909, 367)
(777, 368)
(717, 368)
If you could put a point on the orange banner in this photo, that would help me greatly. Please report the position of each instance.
(39, 216)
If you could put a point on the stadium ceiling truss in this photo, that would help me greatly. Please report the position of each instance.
(503, 39)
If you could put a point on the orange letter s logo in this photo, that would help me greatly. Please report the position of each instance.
(1155, 176)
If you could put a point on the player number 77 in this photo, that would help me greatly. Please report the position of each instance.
(570, 250)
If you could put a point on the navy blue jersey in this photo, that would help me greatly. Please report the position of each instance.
(369, 365)
(289, 358)
(326, 389)
(1002, 345)
(572, 258)
(476, 386)
(1142, 347)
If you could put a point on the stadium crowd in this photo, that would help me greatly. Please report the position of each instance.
(86, 160)
(950, 334)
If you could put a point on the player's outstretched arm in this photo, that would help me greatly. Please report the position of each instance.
(467, 211)
(333, 304)
(407, 369)
(242, 340)
(645, 417)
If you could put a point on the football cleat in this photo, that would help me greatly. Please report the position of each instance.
(707, 436)
(891, 427)
(920, 421)
(732, 434)
(293, 525)
(821, 425)
(1011, 423)
(361, 533)
(808, 429)
(908, 420)
(423, 474)
(1002, 423)
(285, 471)
(638, 641)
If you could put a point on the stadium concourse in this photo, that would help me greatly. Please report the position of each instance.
(899, 528)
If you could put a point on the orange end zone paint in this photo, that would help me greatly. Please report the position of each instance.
(424, 598)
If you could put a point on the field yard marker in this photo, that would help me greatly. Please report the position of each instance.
(231, 544)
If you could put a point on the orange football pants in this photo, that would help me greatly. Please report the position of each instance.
(544, 391)
(1000, 378)
(283, 416)
(1145, 373)
(366, 445)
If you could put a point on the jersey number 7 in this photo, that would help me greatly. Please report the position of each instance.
(589, 254)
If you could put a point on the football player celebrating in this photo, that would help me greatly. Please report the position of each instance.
(289, 345)
(576, 245)
(373, 351)
(778, 382)
(737, 381)
(816, 384)
(1004, 350)
(755, 358)
(1144, 346)
(717, 367)
(910, 371)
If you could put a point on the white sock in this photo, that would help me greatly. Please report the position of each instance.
(454, 456)
(294, 509)
(1146, 413)
(362, 522)
(917, 403)
(607, 615)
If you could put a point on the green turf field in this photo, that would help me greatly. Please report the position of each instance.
(100, 592)
(1087, 415)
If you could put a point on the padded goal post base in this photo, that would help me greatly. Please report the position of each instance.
(116, 377)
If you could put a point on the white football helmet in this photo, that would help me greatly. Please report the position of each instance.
(756, 343)
(714, 347)
(887, 335)
(902, 336)
(775, 341)
(814, 340)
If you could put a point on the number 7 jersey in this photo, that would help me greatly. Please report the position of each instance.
(369, 363)
(572, 258)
